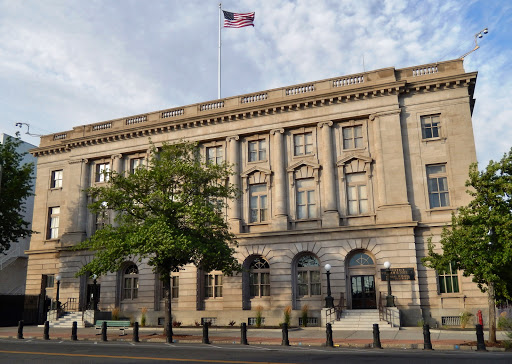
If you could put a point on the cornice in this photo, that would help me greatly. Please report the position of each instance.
(216, 113)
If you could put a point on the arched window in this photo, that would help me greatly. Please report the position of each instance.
(259, 278)
(308, 276)
(360, 259)
(130, 282)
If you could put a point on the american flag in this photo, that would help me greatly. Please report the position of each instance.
(238, 20)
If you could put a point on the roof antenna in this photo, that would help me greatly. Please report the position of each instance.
(28, 129)
(480, 34)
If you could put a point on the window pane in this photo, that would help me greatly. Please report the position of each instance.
(253, 278)
(351, 192)
(307, 261)
(253, 290)
(362, 192)
(434, 201)
(315, 276)
(263, 215)
(311, 211)
(263, 201)
(315, 289)
(265, 278)
(436, 168)
(265, 290)
(455, 284)
(254, 215)
(301, 212)
(352, 208)
(218, 291)
(444, 201)
(443, 184)
(363, 206)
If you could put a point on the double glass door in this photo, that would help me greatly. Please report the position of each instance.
(363, 292)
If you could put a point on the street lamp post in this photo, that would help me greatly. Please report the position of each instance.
(94, 293)
(390, 300)
(57, 278)
(329, 301)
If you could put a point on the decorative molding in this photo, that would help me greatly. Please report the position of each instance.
(279, 130)
(322, 123)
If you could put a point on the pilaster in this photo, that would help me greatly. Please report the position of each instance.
(234, 219)
(280, 218)
(330, 215)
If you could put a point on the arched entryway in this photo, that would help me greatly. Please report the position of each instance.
(361, 278)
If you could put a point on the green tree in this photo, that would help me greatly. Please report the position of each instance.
(169, 212)
(479, 241)
(15, 188)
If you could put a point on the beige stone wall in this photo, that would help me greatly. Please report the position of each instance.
(386, 105)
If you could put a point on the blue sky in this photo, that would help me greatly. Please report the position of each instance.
(65, 63)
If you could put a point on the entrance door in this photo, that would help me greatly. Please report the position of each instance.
(90, 294)
(363, 292)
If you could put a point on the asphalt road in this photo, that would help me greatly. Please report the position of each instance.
(31, 351)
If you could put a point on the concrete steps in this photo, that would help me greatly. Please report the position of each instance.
(361, 320)
(66, 320)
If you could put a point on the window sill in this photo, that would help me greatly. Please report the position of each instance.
(304, 156)
(353, 149)
(426, 140)
(55, 188)
(213, 299)
(258, 161)
(56, 240)
(313, 219)
(362, 215)
(441, 209)
(451, 295)
(258, 223)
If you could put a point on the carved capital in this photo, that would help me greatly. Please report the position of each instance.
(274, 131)
(324, 123)
(232, 138)
(119, 156)
(76, 161)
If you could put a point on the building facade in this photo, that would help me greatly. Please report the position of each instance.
(351, 171)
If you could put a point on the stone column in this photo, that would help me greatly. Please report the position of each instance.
(330, 216)
(118, 167)
(76, 232)
(234, 219)
(280, 219)
(393, 204)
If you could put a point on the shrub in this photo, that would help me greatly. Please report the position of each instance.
(304, 314)
(287, 314)
(259, 317)
(197, 323)
(465, 316)
(176, 323)
(115, 313)
(144, 310)
(232, 323)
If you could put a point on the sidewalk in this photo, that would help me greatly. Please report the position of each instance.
(406, 338)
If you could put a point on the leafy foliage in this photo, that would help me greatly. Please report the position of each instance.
(169, 212)
(15, 187)
(479, 241)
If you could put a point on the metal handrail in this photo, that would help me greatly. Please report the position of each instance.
(387, 314)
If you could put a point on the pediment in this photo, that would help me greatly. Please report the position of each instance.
(256, 169)
(301, 163)
(352, 157)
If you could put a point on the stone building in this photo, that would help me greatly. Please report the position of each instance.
(352, 171)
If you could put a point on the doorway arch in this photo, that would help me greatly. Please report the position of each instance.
(361, 272)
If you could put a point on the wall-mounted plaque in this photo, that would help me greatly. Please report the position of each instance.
(398, 274)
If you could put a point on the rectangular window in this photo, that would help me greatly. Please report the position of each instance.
(259, 284)
(430, 126)
(56, 179)
(257, 150)
(50, 281)
(258, 203)
(102, 170)
(175, 286)
(353, 137)
(136, 163)
(448, 280)
(308, 283)
(53, 222)
(303, 144)
(438, 186)
(306, 201)
(215, 155)
(131, 288)
(213, 285)
(357, 194)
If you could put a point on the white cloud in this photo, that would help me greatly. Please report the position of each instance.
(67, 63)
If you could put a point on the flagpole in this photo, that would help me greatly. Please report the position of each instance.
(218, 86)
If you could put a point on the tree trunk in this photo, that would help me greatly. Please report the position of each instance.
(492, 312)
(168, 298)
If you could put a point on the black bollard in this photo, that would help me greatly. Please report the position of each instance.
(205, 332)
(46, 332)
(243, 334)
(135, 332)
(376, 337)
(328, 332)
(168, 333)
(427, 344)
(285, 341)
(480, 343)
(74, 330)
(20, 329)
(104, 331)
